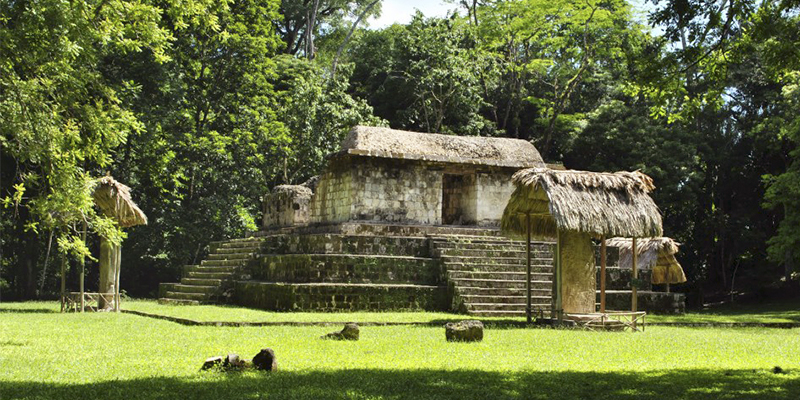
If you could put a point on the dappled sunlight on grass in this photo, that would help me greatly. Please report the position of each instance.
(109, 355)
(242, 314)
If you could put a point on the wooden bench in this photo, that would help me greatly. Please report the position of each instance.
(611, 320)
(91, 301)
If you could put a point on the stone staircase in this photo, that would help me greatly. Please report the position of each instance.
(207, 282)
(487, 274)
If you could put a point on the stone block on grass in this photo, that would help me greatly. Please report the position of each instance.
(349, 332)
(464, 331)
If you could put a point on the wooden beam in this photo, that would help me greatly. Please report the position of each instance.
(63, 280)
(557, 278)
(83, 268)
(117, 271)
(603, 274)
(528, 275)
(634, 297)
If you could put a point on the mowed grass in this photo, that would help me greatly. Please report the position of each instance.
(224, 313)
(767, 312)
(47, 355)
(776, 312)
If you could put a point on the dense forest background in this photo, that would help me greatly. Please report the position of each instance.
(202, 105)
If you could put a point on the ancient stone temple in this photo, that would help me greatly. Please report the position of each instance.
(396, 221)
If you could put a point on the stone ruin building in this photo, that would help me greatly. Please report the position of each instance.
(396, 221)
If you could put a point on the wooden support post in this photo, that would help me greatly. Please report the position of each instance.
(528, 275)
(634, 296)
(557, 278)
(117, 270)
(63, 281)
(603, 274)
(83, 269)
(667, 288)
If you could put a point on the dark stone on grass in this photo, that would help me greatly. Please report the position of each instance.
(778, 370)
(464, 331)
(265, 360)
(350, 332)
(211, 363)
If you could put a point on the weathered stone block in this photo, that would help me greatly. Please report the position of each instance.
(464, 331)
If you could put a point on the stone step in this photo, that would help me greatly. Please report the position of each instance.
(483, 307)
(506, 275)
(252, 244)
(230, 256)
(496, 313)
(488, 246)
(196, 268)
(209, 275)
(492, 253)
(499, 283)
(222, 263)
(194, 288)
(493, 260)
(182, 302)
(537, 268)
(475, 299)
(494, 291)
(480, 248)
(201, 282)
(188, 296)
(233, 250)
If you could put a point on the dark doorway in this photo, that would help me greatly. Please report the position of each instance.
(452, 193)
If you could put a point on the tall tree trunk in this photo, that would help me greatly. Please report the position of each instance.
(349, 34)
(43, 277)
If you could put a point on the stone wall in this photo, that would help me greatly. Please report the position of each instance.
(347, 268)
(493, 192)
(333, 197)
(333, 297)
(287, 205)
(396, 191)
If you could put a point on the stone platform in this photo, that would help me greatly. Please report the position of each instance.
(368, 266)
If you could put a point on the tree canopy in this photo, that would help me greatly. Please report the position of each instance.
(201, 106)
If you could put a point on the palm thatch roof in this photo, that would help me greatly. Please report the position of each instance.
(657, 254)
(114, 200)
(392, 143)
(601, 204)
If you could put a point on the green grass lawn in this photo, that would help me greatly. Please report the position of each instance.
(761, 313)
(47, 355)
(242, 314)
(788, 311)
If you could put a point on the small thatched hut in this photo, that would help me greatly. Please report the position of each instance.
(657, 254)
(574, 206)
(114, 200)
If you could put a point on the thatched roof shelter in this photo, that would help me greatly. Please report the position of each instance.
(600, 204)
(657, 254)
(392, 143)
(114, 199)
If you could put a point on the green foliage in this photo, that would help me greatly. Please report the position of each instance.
(317, 111)
(424, 76)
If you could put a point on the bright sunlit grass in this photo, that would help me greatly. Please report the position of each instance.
(46, 355)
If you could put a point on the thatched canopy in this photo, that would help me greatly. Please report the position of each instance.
(657, 254)
(392, 143)
(114, 200)
(600, 204)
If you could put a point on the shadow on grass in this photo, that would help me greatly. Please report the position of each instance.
(430, 384)
(28, 310)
